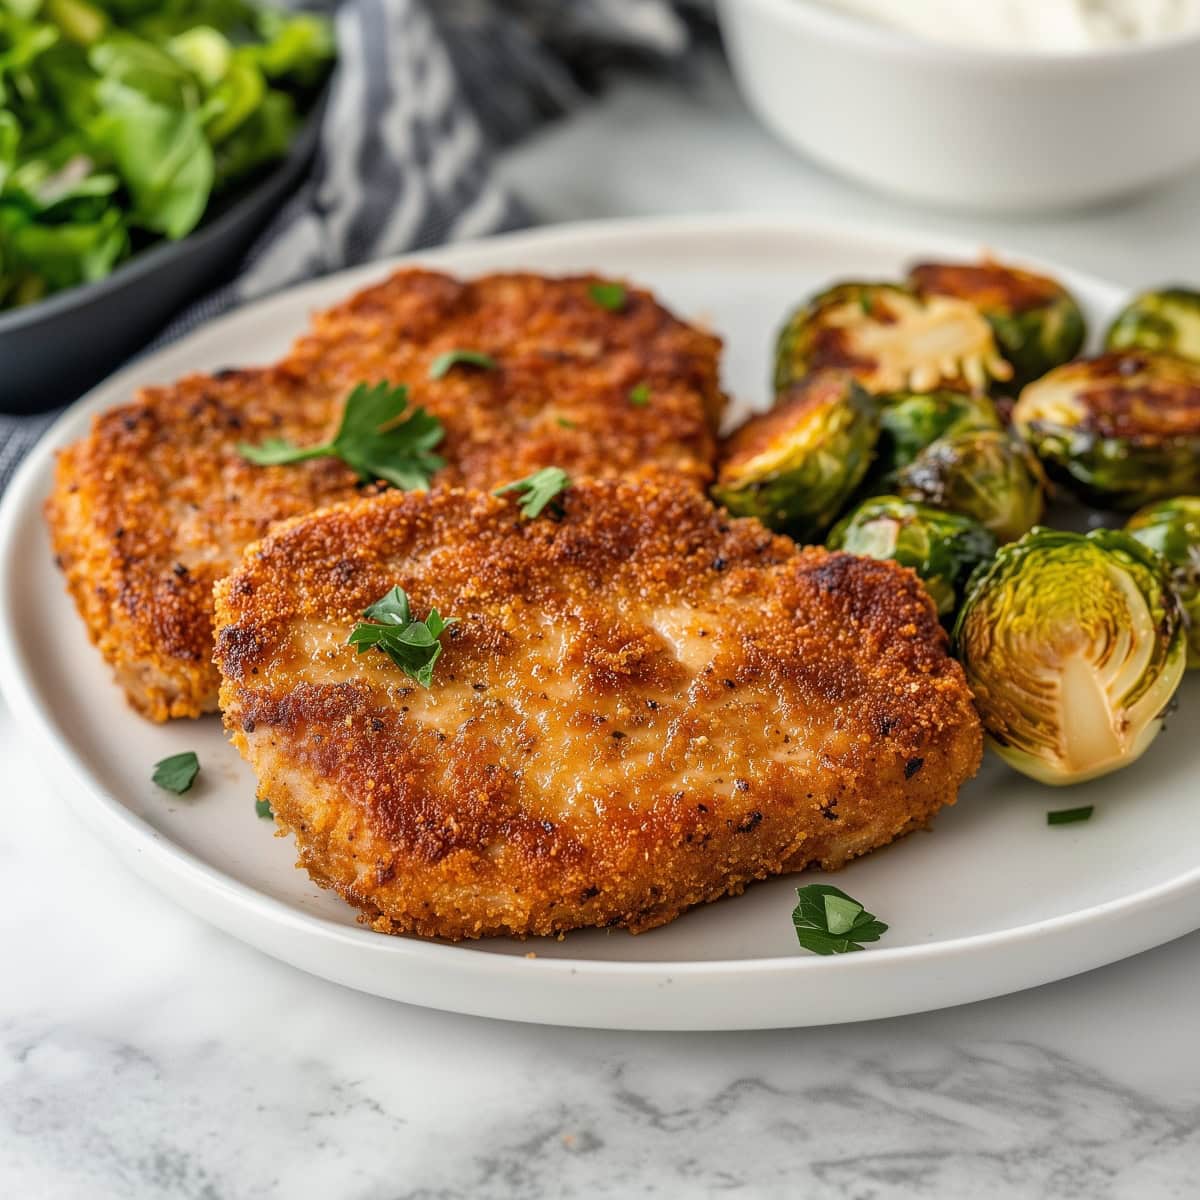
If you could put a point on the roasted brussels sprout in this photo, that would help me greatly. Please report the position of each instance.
(795, 466)
(987, 475)
(1120, 430)
(1073, 645)
(1171, 528)
(1036, 321)
(910, 421)
(1167, 321)
(891, 339)
(942, 547)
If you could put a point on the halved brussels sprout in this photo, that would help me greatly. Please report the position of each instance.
(891, 339)
(942, 547)
(1171, 528)
(987, 475)
(910, 421)
(1073, 645)
(1167, 321)
(795, 466)
(1121, 430)
(1036, 321)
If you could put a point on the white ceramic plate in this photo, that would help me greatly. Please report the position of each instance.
(991, 901)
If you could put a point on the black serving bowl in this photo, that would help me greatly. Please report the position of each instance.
(53, 351)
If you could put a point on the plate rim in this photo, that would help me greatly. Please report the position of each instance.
(118, 824)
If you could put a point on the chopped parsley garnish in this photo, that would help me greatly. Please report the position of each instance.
(445, 363)
(375, 439)
(412, 645)
(1068, 816)
(262, 808)
(178, 772)
(639, 397)
(538, 490)
(828, 921)
(565, 423)
(610, 296)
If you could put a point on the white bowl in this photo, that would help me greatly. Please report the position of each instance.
(964, 127)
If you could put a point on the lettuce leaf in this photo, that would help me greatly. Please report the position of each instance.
(120, 119)
(161, 155)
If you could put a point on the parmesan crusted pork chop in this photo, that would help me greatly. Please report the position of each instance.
(642, 705)
(157, 502)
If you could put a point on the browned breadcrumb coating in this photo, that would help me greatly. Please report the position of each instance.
(643, 706)
(156, 503)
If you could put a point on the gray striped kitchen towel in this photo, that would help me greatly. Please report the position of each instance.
(423, 93)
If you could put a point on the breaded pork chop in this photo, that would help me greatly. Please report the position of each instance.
(156, 504)
(643, 706)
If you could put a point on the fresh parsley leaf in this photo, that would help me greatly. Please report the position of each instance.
(376, 440)
(565, 423)
(639, 397)
(840, 913)
(412, 645)
(262, 808)
(178, 772)
(538, 490)
(610, 296)
(445, 363)
(275, 452)
(828, 921)
(1068, 816)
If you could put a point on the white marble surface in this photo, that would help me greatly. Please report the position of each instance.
(143, 1054)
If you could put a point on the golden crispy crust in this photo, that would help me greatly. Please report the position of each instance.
(644, 706)
(156, 504)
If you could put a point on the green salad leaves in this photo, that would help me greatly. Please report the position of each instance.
(122, 120)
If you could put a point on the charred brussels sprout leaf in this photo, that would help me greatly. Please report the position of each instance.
(1120, 430)
(1036, 322)
(942, 548)
(987, 475)
(890, 339)
(1074, 646)
(1167, 321)
(795, 466)
(910, 421)
(1171, 529)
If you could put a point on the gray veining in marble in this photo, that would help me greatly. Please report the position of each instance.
(85, 1113)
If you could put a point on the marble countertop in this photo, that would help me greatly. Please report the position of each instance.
(144, 1054)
